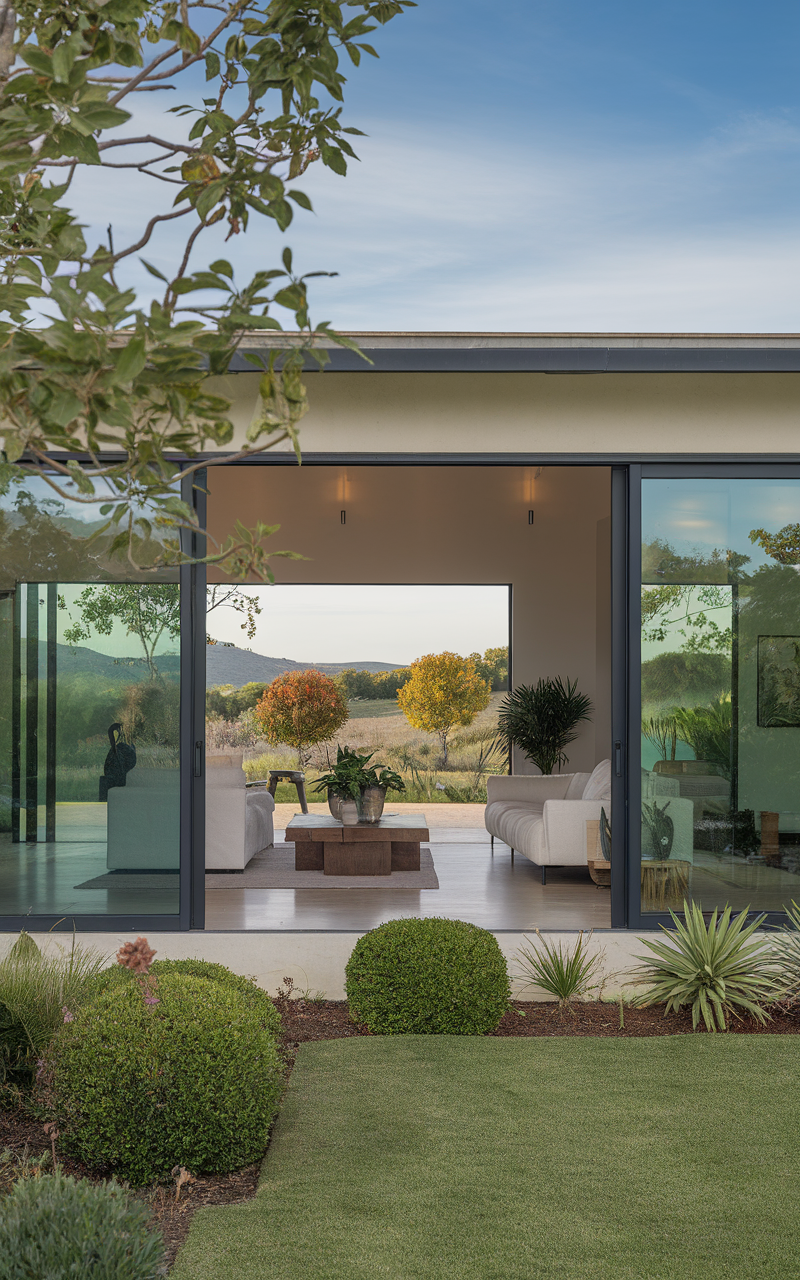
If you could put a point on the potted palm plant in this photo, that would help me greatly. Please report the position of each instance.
(357, 788)
(542, 720)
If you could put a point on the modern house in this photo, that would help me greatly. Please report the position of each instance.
(638, 495)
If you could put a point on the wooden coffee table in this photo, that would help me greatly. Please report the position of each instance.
(324, 844)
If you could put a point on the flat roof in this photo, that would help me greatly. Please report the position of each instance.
(576, 353)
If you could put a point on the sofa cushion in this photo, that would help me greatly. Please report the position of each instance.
(599, 785)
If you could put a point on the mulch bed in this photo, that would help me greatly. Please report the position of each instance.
(305, 1021)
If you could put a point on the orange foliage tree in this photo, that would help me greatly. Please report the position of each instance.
(301, 708)
(442, 691)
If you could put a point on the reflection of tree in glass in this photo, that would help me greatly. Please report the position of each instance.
(146, 610)
(222, 595)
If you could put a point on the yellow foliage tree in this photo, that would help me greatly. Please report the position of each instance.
(443, 690)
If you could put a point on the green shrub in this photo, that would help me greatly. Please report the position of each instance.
(35, 990)
(253, 995)
(57, 1227)
(193, 1079)
(428, 977)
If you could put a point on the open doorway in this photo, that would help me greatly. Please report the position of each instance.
(523, 553)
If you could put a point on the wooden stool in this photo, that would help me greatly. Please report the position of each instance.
(289, 775)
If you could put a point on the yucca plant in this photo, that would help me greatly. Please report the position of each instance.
(563, 972)
(786, 954)
(709, 967)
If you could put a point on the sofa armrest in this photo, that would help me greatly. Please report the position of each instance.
(565, 828)
(527, 787)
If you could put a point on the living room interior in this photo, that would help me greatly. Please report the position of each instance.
(542, 534)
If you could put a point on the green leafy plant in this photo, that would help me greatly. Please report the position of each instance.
(562, 971)
(542, 720)
(37, 992)
(427, 977)
(662, 732)
(709, 967)
(57, 1226)
(353, 773)
(186, 1075)
(660, 828)
(708, 731)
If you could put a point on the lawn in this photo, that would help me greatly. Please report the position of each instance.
(668, 1158)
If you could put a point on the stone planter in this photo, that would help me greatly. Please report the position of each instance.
(349, 815)
(335, 805)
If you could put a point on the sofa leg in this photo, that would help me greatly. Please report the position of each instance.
(544, 875)
(512, 857)
(492, 840)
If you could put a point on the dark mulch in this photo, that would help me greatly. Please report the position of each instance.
(305, 1021)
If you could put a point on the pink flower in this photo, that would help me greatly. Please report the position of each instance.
(68, 1017)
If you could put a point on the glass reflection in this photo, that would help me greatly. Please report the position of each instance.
(720, 693)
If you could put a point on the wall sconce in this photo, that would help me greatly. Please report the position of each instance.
(344, 494)
(530, 475)
(530, 517)
(343, 517)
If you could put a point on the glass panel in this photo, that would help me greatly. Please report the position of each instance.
(89, 721)
(720, 693)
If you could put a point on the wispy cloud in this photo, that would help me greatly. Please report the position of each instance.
(452, 230)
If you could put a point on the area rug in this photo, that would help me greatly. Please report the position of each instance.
(126, 880)
(274, 869)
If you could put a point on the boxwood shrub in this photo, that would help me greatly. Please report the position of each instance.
(257, 998)
(428, 977)
(139, 1087)
(55, 1226)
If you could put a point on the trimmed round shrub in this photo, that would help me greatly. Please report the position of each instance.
(55, 1226)
(189, 1076)
(254, 995)
(428, 977)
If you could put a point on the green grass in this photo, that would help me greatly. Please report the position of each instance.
(496, 1159)
(370, 708)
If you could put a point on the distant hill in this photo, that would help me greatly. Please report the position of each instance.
(240, 666)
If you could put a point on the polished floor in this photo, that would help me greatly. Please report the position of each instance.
(475, 885)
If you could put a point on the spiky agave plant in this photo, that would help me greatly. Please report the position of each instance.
(786, 954)
(709, 967)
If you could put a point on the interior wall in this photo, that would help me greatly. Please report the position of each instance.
(455, 525)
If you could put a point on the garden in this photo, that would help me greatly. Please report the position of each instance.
(170, 1114)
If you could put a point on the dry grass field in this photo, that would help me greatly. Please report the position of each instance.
(380, 728)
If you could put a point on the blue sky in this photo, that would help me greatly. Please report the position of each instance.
(542, 166)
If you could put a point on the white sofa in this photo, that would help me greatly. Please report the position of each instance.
(544, 817)
(144, 821)
(239, 821)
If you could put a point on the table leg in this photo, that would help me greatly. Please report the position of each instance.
(309, 855)
(405, 855)
(273, 786)
(301, 795)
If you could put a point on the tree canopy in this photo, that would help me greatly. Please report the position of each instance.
(301, 708)
(442, 691)
(105, 396)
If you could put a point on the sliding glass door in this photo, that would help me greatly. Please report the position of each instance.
(716, 792)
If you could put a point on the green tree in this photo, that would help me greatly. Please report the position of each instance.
(443, 690)
(88, 371)
(493, 666)
(147, 610)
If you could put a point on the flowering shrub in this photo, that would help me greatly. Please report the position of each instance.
(193, 1079)
(301, 708)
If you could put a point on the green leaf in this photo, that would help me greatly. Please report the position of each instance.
(222, 268)
(153, 271)
(130, 361)
(212, 65)
(302, 199)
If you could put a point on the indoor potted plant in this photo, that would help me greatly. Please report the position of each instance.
(356, 788)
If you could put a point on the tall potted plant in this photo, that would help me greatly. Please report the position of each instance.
(542, 720)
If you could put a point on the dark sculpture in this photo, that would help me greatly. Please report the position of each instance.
(118, 763)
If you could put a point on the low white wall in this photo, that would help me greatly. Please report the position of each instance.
(316, 961)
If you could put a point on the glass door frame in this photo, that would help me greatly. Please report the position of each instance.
(627, 711)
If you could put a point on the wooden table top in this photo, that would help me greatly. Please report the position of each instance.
(323, 827)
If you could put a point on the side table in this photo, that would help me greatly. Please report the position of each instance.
(289, 775)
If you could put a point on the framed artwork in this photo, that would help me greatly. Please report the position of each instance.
(779, 682)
